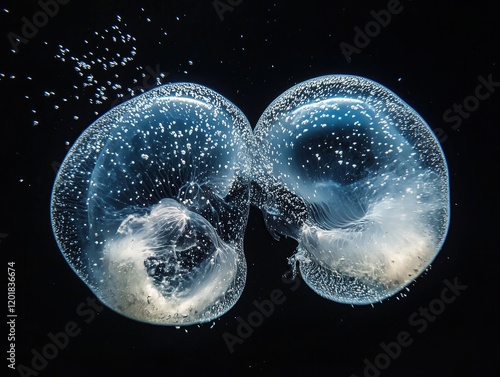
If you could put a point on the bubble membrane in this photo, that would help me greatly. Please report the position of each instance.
(150, 205)
(357, 177)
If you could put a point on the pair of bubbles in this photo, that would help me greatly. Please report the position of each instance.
(151, 203)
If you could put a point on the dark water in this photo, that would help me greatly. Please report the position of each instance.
(64, 64)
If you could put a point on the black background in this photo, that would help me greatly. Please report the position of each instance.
(431, 55)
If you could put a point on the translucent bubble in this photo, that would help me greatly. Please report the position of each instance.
(151, 203)
(357, 177)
